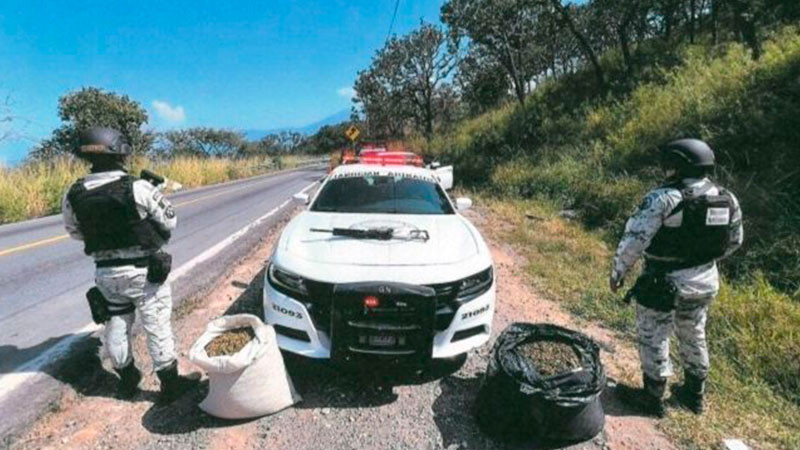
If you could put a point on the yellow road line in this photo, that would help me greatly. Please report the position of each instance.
(51, 240)
(33, 244)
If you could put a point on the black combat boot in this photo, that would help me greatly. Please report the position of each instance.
(690, 394)
(646, 400)
(172, 384)
(129, 378)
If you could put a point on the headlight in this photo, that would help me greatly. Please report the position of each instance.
(287, 283)
(476, 285)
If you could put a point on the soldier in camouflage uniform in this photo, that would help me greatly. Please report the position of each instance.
(681, 229)
(123, 222)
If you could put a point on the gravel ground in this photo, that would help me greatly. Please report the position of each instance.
(341, 409)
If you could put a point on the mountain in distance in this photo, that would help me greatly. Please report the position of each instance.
(333, 119)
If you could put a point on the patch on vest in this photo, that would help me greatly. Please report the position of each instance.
(718, 216)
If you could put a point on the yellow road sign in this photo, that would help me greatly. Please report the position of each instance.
(352, 133)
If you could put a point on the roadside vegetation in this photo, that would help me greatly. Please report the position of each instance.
(35, 188)
(558, 112)
(597, 158)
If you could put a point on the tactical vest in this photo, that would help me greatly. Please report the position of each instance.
(704, 233)
(108, 218)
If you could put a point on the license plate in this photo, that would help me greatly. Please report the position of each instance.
(383, 341)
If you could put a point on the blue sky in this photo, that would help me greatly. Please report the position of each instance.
(238, 64)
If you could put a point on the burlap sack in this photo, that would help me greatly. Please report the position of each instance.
(250, 383)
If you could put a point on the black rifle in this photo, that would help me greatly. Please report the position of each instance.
(152, 177)
(381, 234)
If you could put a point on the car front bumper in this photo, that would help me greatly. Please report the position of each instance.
(298, 331)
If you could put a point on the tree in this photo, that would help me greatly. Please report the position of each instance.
(483, 83)
(405, 82)
(379, 99)
(201, 141)
(502, 30)
(623, 21)
(327, 139)
(91, 107)
(747, 16)
(566, 15)
(424, 64)
(271, 144)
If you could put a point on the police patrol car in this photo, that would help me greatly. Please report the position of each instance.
(381, 265)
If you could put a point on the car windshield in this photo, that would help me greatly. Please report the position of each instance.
(383, 194)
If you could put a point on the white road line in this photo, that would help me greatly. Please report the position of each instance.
(11, 381)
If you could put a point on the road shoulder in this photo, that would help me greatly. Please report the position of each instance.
(340, 410)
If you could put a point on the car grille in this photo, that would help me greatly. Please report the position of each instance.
(401, 327)
(320, 304)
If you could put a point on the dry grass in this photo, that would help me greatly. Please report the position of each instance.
(35, 189)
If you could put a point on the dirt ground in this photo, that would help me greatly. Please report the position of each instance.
(368, 410)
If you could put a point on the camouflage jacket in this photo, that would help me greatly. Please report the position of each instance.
(642, 226)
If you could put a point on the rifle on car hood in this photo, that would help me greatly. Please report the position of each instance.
(381, 234)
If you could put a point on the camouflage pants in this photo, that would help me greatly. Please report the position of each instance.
(655, 327)
(126, 285)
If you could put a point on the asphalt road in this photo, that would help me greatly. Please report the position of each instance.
(44, 274)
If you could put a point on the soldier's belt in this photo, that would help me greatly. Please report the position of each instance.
(656, 266)
(138, 262)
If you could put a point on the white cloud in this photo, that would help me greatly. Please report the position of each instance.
(347, 92)
(169, 113)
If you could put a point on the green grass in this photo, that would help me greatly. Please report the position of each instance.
(597, 153)
(754, 330)
(35, 189)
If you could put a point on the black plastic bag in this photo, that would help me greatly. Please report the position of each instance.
(517, 402)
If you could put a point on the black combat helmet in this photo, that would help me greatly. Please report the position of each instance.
(103, 141)
(688, 157)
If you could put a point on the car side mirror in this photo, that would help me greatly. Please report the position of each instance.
(301, 197)
(463, 203)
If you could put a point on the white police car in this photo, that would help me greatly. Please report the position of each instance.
(381, 265)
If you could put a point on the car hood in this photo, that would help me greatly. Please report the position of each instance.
(450, 241)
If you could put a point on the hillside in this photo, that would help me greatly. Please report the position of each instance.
(595, 153)
(574, 147)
